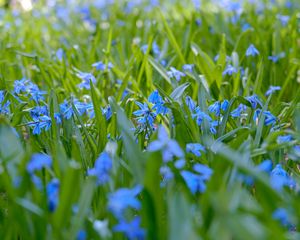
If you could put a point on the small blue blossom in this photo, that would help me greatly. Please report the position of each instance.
(224, 105)
(102, 169)
(284, 19)
(254, 101)
(215, 108)
(270, 119)
(280, 178)
(86, 79)
(200, 116)
(144, 115)
(4, 107)
(35, 93)
(81, 235)
(252, 51)
(272, 89)
(194, 182)
(100, 66)
(229, 70)
(282, 215)
(195, 148)
(60, 54)
(20, 85)
(170, 148)
(188, 67)
(203, 170)
(132, 230)
(52, 190)
(158, 102)
(238, 111)
(284, 139)
(174, 73)
(190, 103)
(38, 161)
(167, 175)
(40, 123)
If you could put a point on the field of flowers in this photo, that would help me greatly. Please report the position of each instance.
(150, 119)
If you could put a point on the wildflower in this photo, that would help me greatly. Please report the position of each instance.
(20, 85)
(158, 102)
(38, 111)
(174, 73)
(155, 97)
(40, 123)
(224, 105)
(131, 229)
(52, 194)
(284, 139)
(86, 79)
(195, 148)
(144, 114)
(238, 111)
(254, 101)
(280, 178)
(200, 116)
(60, 54)
(272, 89)
(284, 19)
(101, 66)
(190, 103)
(204, 170)
(282, 215)
(103, 166)
(122, 199)
(252, 51)
(215, 108)
(167, 175)
(4, 107)
(66, 109)
(169, 147)
(212, 126)
(35, 92)
(229, 70)
(81, 235)
(188, 67)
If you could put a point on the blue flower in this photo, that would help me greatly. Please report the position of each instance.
(280, 178)
(155, 97)
(103, 166)
(229, 70)
(86, 79)
(81, 235)
(224, 105)
(282, 215)
(144, 115)
(284, 19)
(190, 103)
(35, 92)
(40, 123)
(254, 101)
(188, 67)
(195, 148)
(174, 73)
(203, 170)
(265, 166)
(194, 181)
(132, 230)
(252, 51)
(167, 175)
(158, 102)
(20, 85)
(123, 199)
(60, 54)
(4, 107)
(169, 147)
(215, 108)
(38, 111)
(52, 190)
(272, 89)
(66, 109)
(200, 116)
(101, 66)
(284, 139)
(38, 161)
(238, 111)
(270, 119)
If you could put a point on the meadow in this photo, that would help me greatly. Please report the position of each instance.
(150, 119)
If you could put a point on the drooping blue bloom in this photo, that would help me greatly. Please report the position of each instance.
(274, 59)
(215, 108)
(194, 181)
(195, 148)
(238, 111)
(102, 66)
(203, 170)
(190, 103)
(254, 101)
(174, 73)
(155, 49)
(167, 175)
(86, 79)
(122, 199)
(107, 112)
(66, 109)
(158, 102)
(38, 161)
(272, 89)
(57, 118)
(155, 97)
(229, 70)
(36, 94)
(282, 215)
(102, 169)
(284, 19)
(170, 148)
(132, 230)
(265, 166)
(60, 54)
(284, 139)
(38, 111)
(200, 116)
(81, 235)
(252, 51)
(224, 105)
(4, 107)
(212, 126)
(280, 178)
(179, 164)
(188, 67)
(144, 115)
(270, 119)
(52, 190)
